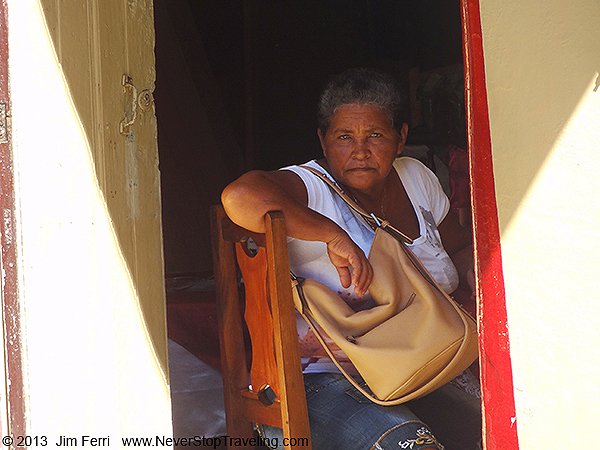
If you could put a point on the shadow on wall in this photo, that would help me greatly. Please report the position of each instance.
(539, 65)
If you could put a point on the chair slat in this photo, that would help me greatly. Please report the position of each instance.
(258, 318)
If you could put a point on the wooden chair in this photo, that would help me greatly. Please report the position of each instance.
(272, 393)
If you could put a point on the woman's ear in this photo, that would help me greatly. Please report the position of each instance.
(403, 136)
(321, 140)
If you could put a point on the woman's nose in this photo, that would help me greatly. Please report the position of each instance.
(361, 149)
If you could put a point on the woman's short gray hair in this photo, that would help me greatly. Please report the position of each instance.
(365, 87)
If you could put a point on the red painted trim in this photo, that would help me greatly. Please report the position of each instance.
(10, 299)
(500, 427)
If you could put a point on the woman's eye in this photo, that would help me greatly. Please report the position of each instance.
(344, 137)
(375, 135)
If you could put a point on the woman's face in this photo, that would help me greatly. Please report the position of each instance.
(361, 145)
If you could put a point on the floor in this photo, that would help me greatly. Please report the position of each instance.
(197, 399)
(196, 385)
(196, 394)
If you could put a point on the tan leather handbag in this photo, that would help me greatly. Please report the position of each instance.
(415, 339)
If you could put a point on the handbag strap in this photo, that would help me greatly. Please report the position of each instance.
(373, 220)
(376, 222)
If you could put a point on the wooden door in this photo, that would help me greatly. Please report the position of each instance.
(106, 50)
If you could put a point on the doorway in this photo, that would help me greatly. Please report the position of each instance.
(237, 87)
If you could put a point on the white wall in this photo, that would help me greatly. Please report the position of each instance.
(542, 66)
(91, 368)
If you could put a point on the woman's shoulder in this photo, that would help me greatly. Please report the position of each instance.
(318, 193)
(411, 170)
(411, 165)
(422, 186)
(306, 168)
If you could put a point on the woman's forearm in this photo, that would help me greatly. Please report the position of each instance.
(249, 198)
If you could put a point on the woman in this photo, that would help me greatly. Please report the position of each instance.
(362, 134)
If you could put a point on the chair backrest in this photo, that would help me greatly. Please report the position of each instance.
(272, 392)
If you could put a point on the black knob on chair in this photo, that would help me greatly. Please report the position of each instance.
(266, 395)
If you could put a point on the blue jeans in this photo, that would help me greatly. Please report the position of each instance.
(342, 418)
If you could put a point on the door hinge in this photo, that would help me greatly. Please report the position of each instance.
(3, 124)
(144, 101)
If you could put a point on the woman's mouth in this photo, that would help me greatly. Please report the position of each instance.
(361, 169)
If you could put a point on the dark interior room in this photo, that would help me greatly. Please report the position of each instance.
(237, 87)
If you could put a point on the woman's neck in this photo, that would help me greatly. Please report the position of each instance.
(372, 200)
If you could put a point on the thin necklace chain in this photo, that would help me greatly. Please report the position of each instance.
(381, 205)
(383, 213)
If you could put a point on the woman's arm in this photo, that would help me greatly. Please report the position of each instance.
(251, 196)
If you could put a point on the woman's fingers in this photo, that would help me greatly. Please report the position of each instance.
(366, 278)
(345, 276)
(361, 270)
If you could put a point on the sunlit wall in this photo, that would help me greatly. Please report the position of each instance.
(542, 64)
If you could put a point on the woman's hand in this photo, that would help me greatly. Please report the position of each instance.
(350, 262)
